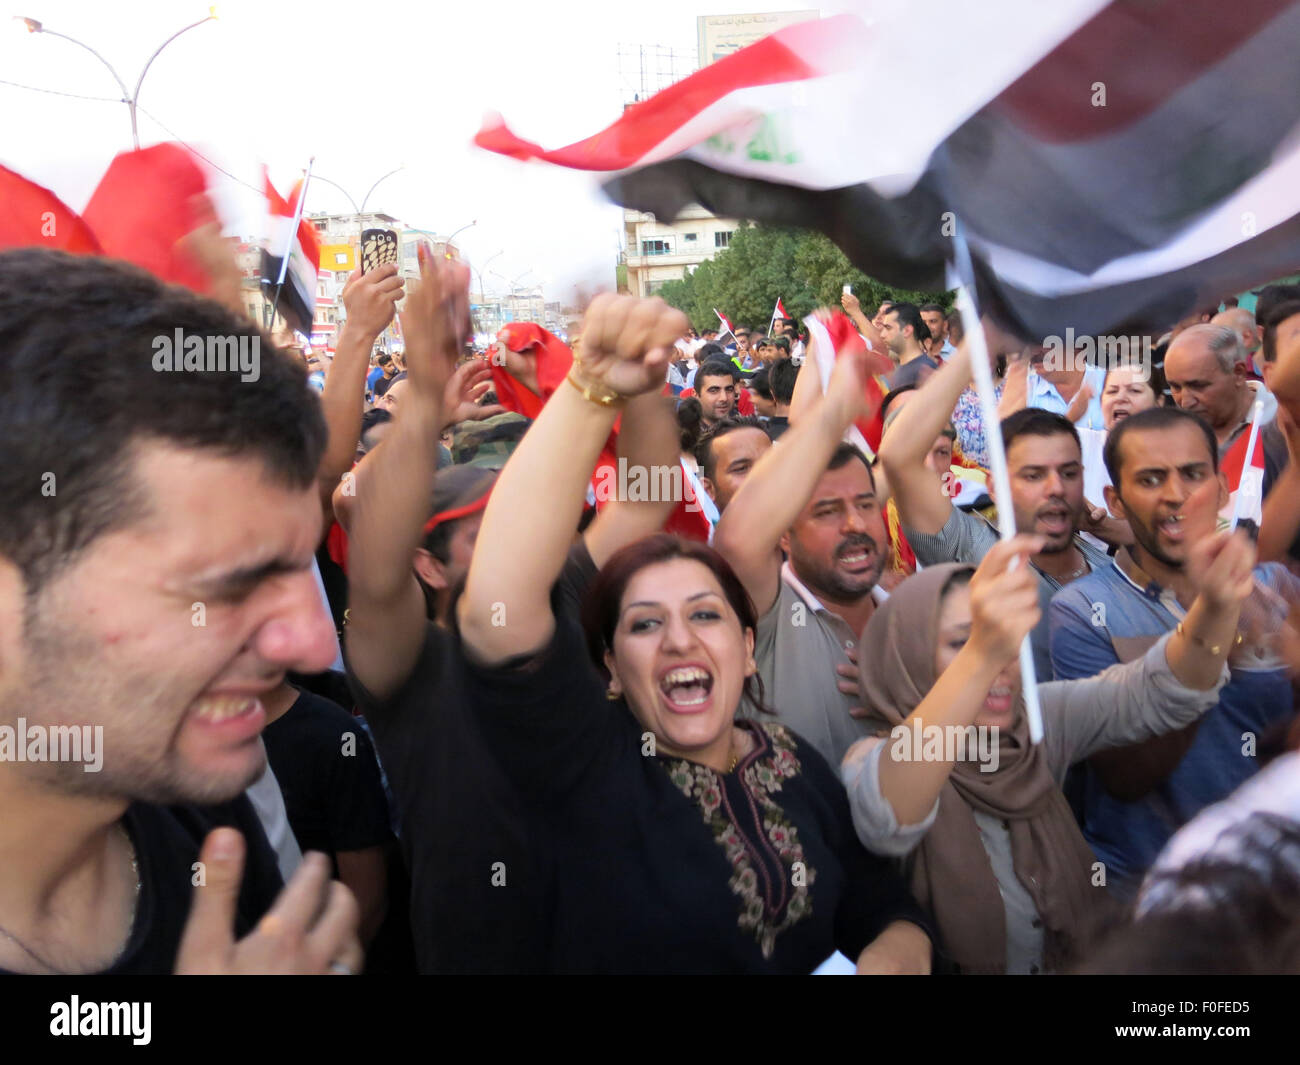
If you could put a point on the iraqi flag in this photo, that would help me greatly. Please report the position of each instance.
(726, 322)
(297, 300)
(836, 338)
(1112, 164)
(1245, 482)
(31, 216)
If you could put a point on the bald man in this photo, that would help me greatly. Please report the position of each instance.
(1209, 376)
(1242, 322)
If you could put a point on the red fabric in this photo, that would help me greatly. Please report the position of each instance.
(845, 338)
(795, 53)
(744, 404)
(308, 238)
(31, 216)
(336, 543)
(146, 202)
(1234, 461)
(553, 359)
(780, 310)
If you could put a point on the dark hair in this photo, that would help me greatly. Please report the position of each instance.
(957, 329)
(761, 384)
(385, 359)
(1031, 421)
(892, 395)
(1155, 381)
(845, 453)
(933, 307)
(78, 389)
(371, 419)
(704, 449)
(909, 314)
(782, 377)
(1278, 313)
(791, 322)
(603, 601)
(1271, 297)
(713, 368)
(1155, 418)
(708, 352)
(690, 417)
(1218, 915)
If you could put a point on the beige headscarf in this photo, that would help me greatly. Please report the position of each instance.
(951, 874)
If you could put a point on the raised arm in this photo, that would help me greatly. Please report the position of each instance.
(649, 440)
(782, 481)
(1004, 608)
(530, 521)
(386, 620)
(369, 299)
(921, 506)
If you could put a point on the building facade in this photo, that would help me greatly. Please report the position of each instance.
(657, 252)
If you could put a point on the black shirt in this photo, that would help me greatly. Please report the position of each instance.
(476, 884)
(167, 842)
(325, 765)
(660, 865)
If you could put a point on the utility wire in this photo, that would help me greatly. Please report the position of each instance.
(56, 92)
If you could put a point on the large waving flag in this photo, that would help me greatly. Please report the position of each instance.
(148, 201)
(297, 297)
(31, 216)
(1109, 163)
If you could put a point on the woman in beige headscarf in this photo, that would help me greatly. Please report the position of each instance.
(952, 782)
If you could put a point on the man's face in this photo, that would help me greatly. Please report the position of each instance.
(166, 633)
(1047, 487)
(742, 342)
(837, 544)
(734, 456)
(879, 319)
(390, 368)
(717, 396)
(767, 353)
(1200, 386)
(1168, 491)
(390, 399)
(1286, 345)
(892, 333)
(935, 322)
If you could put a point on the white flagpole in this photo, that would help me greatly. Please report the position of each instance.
(293, 233)
(772, 324)
(1247, 470)
(979, 357)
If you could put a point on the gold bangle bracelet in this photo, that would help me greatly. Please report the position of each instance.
(602, 397)
(1214, 649)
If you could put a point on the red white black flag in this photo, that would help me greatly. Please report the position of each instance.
(1111, 163)
(298, 295)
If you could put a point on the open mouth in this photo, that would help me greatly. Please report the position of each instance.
(232, 715)
(1172, 527)
(998, 699)
(1118, 413)
(1054, 522)
(686, 688)
(856, 557)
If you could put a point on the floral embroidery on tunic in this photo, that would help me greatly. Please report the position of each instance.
(769, 874)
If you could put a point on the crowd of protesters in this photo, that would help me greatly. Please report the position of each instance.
(384, 680)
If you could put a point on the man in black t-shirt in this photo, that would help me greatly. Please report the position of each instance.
(156, 541)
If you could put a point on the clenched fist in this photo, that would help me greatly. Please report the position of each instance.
(627, 343)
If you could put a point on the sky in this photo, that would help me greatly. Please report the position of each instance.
(363, 87)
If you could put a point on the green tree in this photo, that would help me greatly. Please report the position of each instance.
(805, 269)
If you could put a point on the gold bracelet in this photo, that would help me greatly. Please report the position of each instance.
(1214, 649)
(602, 397)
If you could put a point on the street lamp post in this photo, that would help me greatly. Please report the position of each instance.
(128, 98)
(453, 236)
